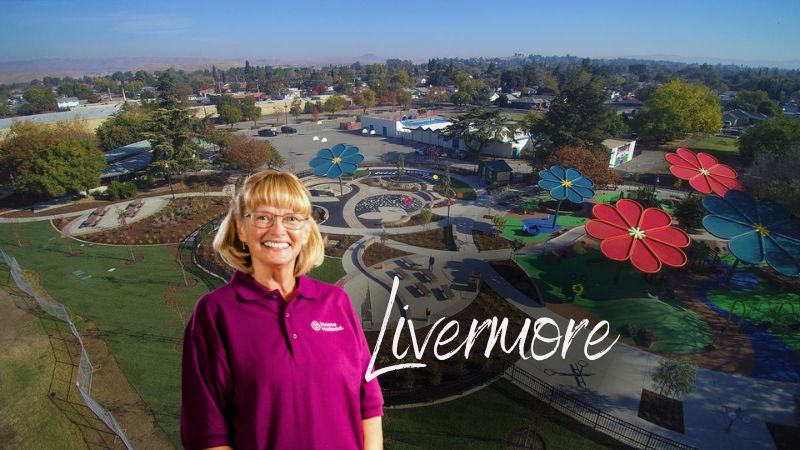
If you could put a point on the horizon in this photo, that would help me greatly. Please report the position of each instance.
(684, 32)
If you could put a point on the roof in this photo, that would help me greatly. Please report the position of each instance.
(67, 99)
(128, 150)
(127, 165)
(742, 114)
(615, 143)
(498, 165)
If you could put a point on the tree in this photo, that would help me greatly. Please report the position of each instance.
(516, 245)
(502, 100)
(38, 99)
(296, 110)
(230, 114)
(170, 132)
(250, 111)
(773, 176)
(365, 98)
(122, 128)
(250, 154)
(674, 378)
(593, 165)
(578, 116)
(461, 98)
(403, 98)
(80, 90)
(679, 108)
(478, 127)
(425, 216)
(689, 212)
(768, 137)
(499, 223)
(45, 161)
(401, 167)
(333, 104)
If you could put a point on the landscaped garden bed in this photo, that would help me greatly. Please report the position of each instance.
(337, 244)
(378, 252)
(661, 410)
(433, 239)
(168, 226)
(486, 241)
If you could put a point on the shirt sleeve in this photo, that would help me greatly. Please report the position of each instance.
(371, 396)
(205, 383)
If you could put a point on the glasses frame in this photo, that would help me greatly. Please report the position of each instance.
(271, 222)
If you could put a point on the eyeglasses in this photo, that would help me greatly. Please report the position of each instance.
(289, 221)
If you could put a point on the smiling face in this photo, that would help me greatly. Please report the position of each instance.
(273, 248)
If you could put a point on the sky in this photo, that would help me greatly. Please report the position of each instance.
(737, 30)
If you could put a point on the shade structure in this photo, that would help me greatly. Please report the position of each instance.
(757, 232)
(566, 184)
(646, 237)
(704, 172)
(337, 161)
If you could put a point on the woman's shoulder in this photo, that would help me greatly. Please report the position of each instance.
(215, 299)
(321, 290)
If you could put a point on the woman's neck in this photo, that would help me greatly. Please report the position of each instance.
(280, 279)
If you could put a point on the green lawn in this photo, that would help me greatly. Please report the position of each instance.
(462, 189)
(128, 304)
(679, 330)
(483, 420)
(764, 305)
(713, 143)
(330, 271)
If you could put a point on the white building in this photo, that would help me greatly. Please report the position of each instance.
(426, 130)
(621, 151)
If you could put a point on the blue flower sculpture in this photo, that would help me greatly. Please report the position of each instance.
(566, 184)
(337, 161)
(756, 231)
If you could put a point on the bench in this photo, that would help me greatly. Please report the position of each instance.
(422, 289)
(428, 274)
(408, 262)
(447, 292)
(400, 273)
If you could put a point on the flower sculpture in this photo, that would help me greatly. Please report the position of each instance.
(757, 232)
(337, 161)
(703, 171)
(645, 236)
(566, 184)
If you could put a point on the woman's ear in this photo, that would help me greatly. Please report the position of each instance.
(240, 232)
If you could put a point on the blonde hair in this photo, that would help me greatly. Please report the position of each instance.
(277, 189)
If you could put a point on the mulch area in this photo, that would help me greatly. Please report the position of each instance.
(661, 410)
(80, 205)
(433, 239)
(486, 241)
(168, 226)
(731, 351)
(378, 252)
(416, 220)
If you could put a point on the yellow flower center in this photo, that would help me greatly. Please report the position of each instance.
(704, 171)
(566, 183)
(761, 229)
(637, 233)
(337, 160)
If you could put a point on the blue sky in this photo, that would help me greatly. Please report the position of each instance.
(302, 30)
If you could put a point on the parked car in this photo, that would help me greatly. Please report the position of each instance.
(267, 132)
(288, 130)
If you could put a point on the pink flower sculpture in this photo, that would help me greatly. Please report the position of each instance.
(645, 236)
(703, 171)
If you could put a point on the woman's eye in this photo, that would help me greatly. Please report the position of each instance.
(262, 218)
(292, 219)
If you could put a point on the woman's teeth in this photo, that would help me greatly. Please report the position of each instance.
(275, 244)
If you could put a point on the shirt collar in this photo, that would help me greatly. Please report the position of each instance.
(250, 290)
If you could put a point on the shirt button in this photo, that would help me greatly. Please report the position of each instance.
(288, 315)
(294, 336)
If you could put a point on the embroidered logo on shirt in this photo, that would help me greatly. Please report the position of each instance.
(325, 326)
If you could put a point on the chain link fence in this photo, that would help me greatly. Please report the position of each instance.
(85, 368)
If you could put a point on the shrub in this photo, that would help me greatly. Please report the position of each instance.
(119, 191)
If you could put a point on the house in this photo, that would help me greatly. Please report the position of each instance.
(739, 118)
(123, 161)
(537, 102)
(67, 102)
(497, 95)
(626, 105)
(495, 171)
(621, 151)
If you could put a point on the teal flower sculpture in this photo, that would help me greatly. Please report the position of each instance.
(757, 232)
(334, 162)
(566, 184)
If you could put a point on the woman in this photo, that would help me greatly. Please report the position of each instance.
(274, 359)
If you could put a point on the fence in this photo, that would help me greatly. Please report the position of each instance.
(603, 422)
(85, 368)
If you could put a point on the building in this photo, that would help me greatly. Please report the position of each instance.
(495, 171)
(67, 102)
(621, 151)
(125, 160)
(739, 118)
(427, 130)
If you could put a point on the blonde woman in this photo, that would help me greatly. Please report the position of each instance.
(274, 359)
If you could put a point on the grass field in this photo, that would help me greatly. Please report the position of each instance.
(483, 420)
(26, 368)
(717, 144)
(679, 330)
(330, 271)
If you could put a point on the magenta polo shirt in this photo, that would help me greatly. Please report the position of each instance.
(259, 373)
